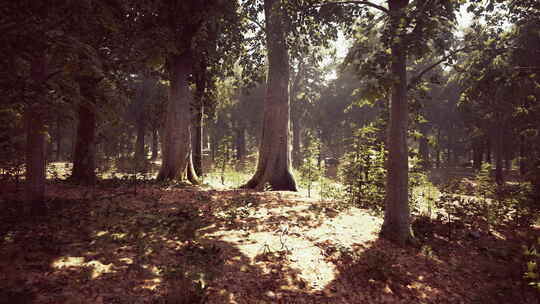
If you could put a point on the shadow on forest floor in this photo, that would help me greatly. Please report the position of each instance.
(186, 245)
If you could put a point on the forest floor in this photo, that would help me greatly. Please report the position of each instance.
(149, 244)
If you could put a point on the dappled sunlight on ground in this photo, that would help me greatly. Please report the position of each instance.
(113, 243)
(97, 267)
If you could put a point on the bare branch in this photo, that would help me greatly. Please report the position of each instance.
(256, 22)
(358, 2)
(416, 79)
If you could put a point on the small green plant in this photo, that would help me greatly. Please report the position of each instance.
(310, 171)
(532, 272)
(223, 156)
(331, 190)
(423, 195)
(363, 171)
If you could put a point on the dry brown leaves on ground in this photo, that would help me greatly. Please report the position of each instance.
(190, 245)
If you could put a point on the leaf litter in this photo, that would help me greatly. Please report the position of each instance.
(193, 245)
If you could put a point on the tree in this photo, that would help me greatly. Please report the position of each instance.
(184, 43)
(290, 27)
(274, 164)
(38, 49)
(414, 29)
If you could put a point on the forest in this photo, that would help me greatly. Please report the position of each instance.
(269, 151)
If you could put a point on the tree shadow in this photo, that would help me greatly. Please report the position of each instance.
(143, 249)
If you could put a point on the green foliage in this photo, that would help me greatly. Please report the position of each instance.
(532, 257)
(309, 170)
(424, 195)
(223, 156)
(363, 171)
(238, 207)
(11, 144)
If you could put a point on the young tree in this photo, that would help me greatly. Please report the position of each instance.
(413, 30)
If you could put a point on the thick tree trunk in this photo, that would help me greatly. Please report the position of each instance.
(176, 142)
(35, 156)
(36, 141)
(397, 226)
(155, 144)
(198, 139)
(84, 165)
(274, 164)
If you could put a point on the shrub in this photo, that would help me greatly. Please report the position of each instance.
(363, 172)
(309, 170)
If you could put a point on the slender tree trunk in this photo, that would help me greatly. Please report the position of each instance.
(449, 158)
(296, 116)
(488, 150)
(423, 148)
(36, 134)
(397, 226)
(438, 160)
(155, 144)
(177, 161)
(499, 177)
(240, 144)
(128, 148)
(274, 164)
(198, 139)
(478, 153)
(140, 151)
(84, 165)
(58, 139)
(522, 163)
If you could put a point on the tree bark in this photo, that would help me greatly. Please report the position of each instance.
(155, 144)
(423, 148)
(488, 150)
(176, 143)
(397, 226)
(240, 144)
(522, 162)
(140, 151)
(478, 152)
(58, 139)
(297, 154)
(274, 164)
(84, 165)
(296, 116)
(499, 177)
(36, 141)
(198, 138)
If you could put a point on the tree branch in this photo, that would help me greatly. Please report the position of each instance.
(415, 80)
(256, 22)
(358, 2)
